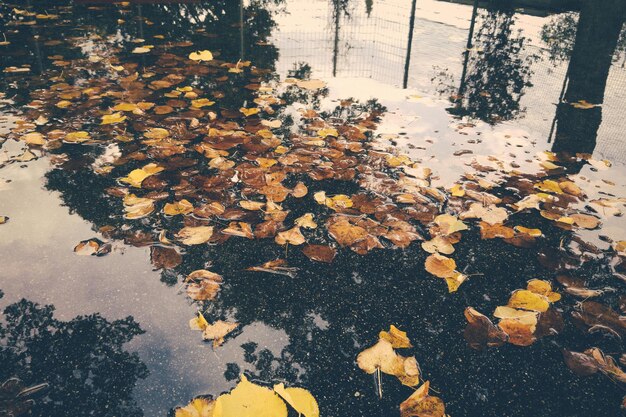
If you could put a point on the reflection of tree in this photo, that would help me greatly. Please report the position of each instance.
(597, 37)
(559, 35)
(82, 360)
(497, 72)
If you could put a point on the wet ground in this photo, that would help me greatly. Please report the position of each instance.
(485, 127)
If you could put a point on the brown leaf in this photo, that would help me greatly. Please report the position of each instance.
(165, 258)
(320, 253)
(480, 332)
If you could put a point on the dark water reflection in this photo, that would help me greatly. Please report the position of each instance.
(304, 331)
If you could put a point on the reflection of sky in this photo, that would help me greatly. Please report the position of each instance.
(38, 264)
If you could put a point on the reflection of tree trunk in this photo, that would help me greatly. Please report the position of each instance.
(599, 26)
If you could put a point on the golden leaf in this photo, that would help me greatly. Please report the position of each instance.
(249, 112)
(339, 202)
(34, 138)
(178, 207)
(449, 224)
(439, 244)
(293, 236)
(77, 137)
(440, 266)
(396, 337)
(136, 176)
(197, 235)
(114, 118)
(490, 214)
(200, 407)
(300, 399)
(201, 56)
(528, 300)
(306, 221)
(249, 400)
(217, 331)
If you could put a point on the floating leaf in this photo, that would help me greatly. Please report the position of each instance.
(320, 253)
(217, 331)
(439, 244)
(178, 207)
(34, 138)
(449, 224)
(480, 332)
(396, 337)
(93, 247)
(300, 399)
(528, 300)
(249, 400)
(440, 266)
(490, 214)
(197, 235)
(136, 176)
(292, 236)
(201, 56)
(306, 221)
(114, 118)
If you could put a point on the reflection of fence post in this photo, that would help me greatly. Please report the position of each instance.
(468, 47)
(241, 38)
(407, 61)
(140, 19)
(337, 11)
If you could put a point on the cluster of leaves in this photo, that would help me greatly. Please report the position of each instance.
(526, 317)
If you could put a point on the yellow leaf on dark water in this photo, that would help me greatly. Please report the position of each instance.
(300, 399)
(396, 337)
(201, 56)
(249, 400)
(218, 331)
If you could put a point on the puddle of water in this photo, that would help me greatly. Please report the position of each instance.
(306, 331)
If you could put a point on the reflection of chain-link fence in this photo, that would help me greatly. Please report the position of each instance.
(348, 42)
(355, 43)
